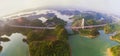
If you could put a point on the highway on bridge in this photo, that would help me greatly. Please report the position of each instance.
(36, 27)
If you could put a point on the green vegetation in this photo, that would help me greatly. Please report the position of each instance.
(49, 48)
(108, 28)
(1, 48)
(4, 39)
(117, 27)
(91, 22)
(116, 50)
(25, 40)
(89, 32)
(116, 37)
(56, 21)
(61, 33)
(54, 42)
(35, 36)
(111, 28)
(86, 32)
(9, 30)
(39, 46)
(42, 42)
(77, 22)
(88, 21)
(25, 21)
(36, 22)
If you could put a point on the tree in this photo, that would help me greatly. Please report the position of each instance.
(61, 32)
(94, 32)
(107, 28)
(36, 22)
(49, 48)
(35, 36)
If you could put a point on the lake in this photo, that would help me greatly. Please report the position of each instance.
(83, 46)
(15, 47)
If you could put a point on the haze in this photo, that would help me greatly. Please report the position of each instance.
(11, 6)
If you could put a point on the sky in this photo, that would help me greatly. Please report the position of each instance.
(11, 6)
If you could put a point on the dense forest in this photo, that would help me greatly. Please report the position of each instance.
(39, 46)
(42, 42)
(116, 50)
(116, 37)
(89, 32)
(45, 42)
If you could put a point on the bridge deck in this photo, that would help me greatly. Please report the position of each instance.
(34, 27)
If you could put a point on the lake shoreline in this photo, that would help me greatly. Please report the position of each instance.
(79, 43)
(89, 36)
(111, 38)
(109, 52)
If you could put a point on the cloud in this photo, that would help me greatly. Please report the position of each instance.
(10, 6)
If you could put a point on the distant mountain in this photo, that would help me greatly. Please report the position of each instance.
(64, 14)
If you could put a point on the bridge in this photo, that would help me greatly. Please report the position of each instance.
(92, 26)
(83, 25)
(31, 27)
(68, 26)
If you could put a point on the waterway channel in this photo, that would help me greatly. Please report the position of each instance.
(83, 46)
(15, 47)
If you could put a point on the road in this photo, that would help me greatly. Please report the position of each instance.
(92, 26)
(32, 27)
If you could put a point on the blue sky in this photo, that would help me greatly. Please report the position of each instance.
(11, 6)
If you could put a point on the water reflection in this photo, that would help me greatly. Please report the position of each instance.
(82, 46)
(15, 47)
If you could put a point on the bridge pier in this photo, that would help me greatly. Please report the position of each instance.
(82, 25)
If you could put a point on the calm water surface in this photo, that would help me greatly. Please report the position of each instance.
(82, 46)
(15, 47)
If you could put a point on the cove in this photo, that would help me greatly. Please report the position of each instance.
(83, 46)
(15, 47)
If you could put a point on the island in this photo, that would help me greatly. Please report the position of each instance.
(1, 48)
(53, 43)
(42, 42)
(4, 39)
(114, 51)
(90, 32)
(109, 28)
(116, 37)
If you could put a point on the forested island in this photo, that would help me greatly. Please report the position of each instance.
(43, 42)
(116, 37)
(53, 43)
(115, 50)
(109, 28)
(90, 33)
(4, 39)
(1, 48)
